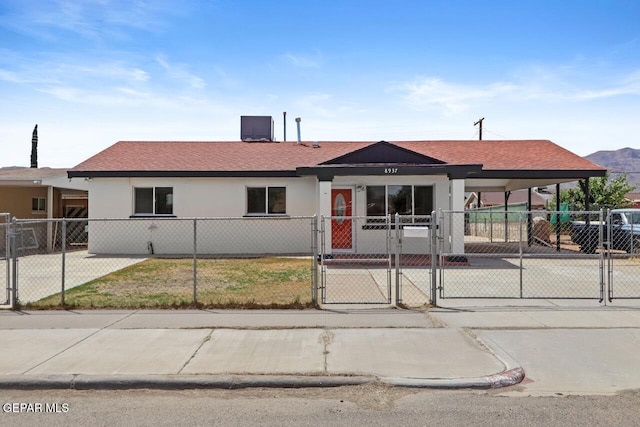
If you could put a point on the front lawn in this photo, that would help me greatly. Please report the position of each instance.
(221, 283)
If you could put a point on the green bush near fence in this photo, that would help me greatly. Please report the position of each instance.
(169, 283)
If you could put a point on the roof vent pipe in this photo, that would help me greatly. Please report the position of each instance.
(284, 115)
(298, 120)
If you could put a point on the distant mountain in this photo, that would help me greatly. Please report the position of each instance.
(624, 160)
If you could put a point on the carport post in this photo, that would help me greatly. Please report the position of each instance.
(63, 245)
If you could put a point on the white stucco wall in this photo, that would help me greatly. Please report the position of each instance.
(198, 197)
(112, 198)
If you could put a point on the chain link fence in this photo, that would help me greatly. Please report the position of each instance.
(165, 262)
(535, 255)
(300, 261)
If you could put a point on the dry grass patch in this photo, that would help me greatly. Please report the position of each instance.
(221, 283)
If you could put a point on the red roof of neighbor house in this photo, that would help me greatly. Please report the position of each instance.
(174, 156)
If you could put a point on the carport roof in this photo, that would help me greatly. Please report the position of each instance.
(493, 159)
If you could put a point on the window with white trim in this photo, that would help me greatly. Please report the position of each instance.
(266, 200)
(382, 200)
(153, 201)
(39, 205)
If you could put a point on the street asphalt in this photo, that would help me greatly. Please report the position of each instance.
(543, 349)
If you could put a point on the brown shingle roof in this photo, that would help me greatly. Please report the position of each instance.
(172, 156)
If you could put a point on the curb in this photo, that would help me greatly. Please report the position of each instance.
(229, 382)
(175, 382)
(503, 379)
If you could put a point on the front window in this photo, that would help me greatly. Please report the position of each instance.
(39, 204)
(266, 200)
(416, 200)
(399, 199)
(153, 201)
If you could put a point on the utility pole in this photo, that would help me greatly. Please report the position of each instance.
(480, 123)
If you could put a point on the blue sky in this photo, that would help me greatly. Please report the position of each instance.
(93, 72)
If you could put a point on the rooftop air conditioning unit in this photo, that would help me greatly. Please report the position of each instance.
(256, 128)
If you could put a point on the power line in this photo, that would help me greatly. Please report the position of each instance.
(497, 134)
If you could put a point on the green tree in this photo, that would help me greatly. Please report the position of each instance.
(604, 192)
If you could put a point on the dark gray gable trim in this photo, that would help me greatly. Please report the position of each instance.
(327, 172)
(181, 174)
(535, 174)
(383, 152)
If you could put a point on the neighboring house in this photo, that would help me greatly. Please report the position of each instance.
(41, 193)
(285, 179)
(635, 200)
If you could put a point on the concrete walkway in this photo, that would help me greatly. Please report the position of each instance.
(566, 349)
(107, 349)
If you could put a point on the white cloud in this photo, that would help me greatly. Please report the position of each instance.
(303, 60)
(180, 73)
(629, 85)
(450, 98)
(547, 85)
(91, 19)
(317, 104)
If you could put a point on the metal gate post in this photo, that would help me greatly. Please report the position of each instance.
(195, 261)
(440, 229)
(64, 260)
(609, 266)
(13, 296)
(389, 258)
(7, 283)
(323, 278)
(521, 252)
(434, 255)
(398, 247)
(602, 251)
(315, 254)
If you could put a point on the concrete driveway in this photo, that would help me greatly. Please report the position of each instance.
(41, 275)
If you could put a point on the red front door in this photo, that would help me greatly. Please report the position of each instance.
(341, 224)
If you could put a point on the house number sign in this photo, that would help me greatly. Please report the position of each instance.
(391, 171)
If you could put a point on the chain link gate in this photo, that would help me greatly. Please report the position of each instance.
(503, 257)
(623, 256)
(355, 266)
(416, 260)
(377, 260)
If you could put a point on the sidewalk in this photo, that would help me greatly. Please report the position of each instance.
(563, 346)
(229, 349)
